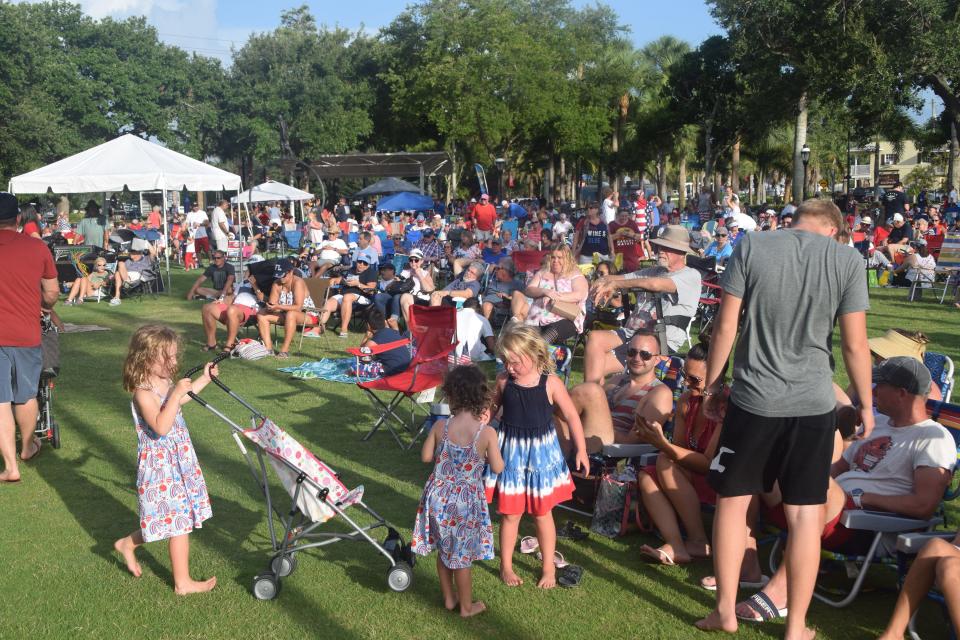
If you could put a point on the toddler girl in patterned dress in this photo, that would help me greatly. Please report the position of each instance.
(536, 477)
(171, 493)
(452, 517)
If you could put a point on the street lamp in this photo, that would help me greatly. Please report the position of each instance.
(805, 158)
(501, 163)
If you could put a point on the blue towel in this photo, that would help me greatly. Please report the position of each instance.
(332, 369)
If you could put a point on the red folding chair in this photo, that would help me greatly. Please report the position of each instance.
(528, 261)
(433, 333)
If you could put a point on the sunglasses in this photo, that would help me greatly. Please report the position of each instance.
(697, 380)
(219, 257)
(415, 259)
(644, 354)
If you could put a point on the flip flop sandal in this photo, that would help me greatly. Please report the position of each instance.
(570, 576)
(744, 584)
(228, 348)
(558, 560)
(657, 555)
(282, 355)
(763, 606)
(38, 444)
(529, 544)
(205, 348)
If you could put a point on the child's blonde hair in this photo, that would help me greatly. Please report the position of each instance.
(525, 341)
(148, 345)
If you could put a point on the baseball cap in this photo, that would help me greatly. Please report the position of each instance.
(284, 266)
(866, 220)
(427, 232)
(484, 196)
(770, 212)
(905, 373)
(9, 207)
(732, 222)
(897, 217)
(416, 253)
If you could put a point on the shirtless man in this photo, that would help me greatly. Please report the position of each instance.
(608, 413)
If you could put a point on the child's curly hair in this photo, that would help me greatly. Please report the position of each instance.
(148, 345)
(466, 389)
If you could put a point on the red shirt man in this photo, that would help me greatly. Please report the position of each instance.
(485, 216)
(626, 237)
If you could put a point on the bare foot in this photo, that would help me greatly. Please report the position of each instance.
(510, 578)
(665, 554)
(474, 609)
(451, 604)
(10, 476)
(698, 549)
(126, 548)
(806, 634)
(548, 580)
(30, 450)
(195, 587)
(714, 622)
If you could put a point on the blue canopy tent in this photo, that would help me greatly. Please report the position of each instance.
(406, 201)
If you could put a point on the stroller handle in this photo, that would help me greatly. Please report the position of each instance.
(199, 368)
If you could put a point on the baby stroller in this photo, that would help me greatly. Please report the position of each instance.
(47, 428)
(318, 495)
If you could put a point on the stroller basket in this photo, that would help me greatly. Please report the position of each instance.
(317, 496)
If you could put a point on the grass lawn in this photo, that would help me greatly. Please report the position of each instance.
(60, 577)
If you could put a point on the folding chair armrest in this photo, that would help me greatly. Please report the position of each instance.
(377, 348)
(627, 450)
(911, 543)
(648, 459)
(882, 522)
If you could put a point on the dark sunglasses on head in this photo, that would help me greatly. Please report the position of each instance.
(644, 354)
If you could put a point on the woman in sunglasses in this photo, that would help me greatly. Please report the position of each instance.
(423, 287)
(674, 488)
(91, 284)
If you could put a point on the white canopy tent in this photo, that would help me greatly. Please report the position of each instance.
(127, 162)
(272, 191)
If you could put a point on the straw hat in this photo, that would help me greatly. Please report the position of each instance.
(893, 343)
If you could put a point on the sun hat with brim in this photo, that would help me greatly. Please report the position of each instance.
(674, 237)
(904, 373)
(893, 344)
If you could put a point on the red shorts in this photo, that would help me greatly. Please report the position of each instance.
(248, 312)
(201, 244)
(699, 481)
(834, 534)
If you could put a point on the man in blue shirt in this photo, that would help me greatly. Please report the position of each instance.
(493, 253)
(364, 250)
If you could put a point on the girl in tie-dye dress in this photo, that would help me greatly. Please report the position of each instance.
(453, 518)
(536, 477)
(171, 492)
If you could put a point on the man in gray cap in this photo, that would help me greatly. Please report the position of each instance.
(678, 287)
(28, 287)
(903, 467)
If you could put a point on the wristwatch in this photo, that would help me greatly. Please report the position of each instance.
(857, 495)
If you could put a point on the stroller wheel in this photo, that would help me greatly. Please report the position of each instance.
(400, 577)
(284, 565)
(266, 586)
(54, 435)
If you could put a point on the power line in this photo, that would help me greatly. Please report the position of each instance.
(180, 35)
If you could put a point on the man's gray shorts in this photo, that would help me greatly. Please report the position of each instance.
(19, 373)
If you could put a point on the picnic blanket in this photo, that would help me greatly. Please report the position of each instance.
(332, 369)
(82, 328)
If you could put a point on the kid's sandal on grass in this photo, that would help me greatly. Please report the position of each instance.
(558, 560)
(761, 604)
(282, 355)
(710, 583)
(570, 531)
(529, 544)
(570, 576)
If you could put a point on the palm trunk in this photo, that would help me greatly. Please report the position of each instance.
(735, 166)
(800, 139)
(662, 174)
(954, 156)
(682, 179)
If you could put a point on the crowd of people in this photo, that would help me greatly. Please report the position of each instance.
(524, 278)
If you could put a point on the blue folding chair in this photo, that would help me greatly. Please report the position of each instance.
(293, 239)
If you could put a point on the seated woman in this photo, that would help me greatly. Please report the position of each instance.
(358, 286)
(234, 311)
(919, 265)
(676, 486)
(559, 293)
(468, 251)
(94, 282)
(286, 304)
(384, 363)
(423, 288)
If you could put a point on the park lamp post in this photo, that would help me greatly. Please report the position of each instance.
(501, 164)
(805, 158)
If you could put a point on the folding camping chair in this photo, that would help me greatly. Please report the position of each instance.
(319, 291)
(941, 370)
(880, 524)
(948, 262)
(909, 545)
(434, 337)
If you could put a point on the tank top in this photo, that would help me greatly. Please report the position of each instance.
(595, 240)
(623, 411)
(526, 410)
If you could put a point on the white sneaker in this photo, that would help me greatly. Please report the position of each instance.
(114, 302)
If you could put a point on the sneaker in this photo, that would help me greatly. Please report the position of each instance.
(344, 334)
(312, 332)
(114, 302)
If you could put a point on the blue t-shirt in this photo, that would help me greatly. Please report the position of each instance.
(517, 211)
(721, 254)
(491, 257)
(393, 360)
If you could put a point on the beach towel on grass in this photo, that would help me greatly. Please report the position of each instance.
(332, 369)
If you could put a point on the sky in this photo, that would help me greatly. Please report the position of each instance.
(211, 27)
